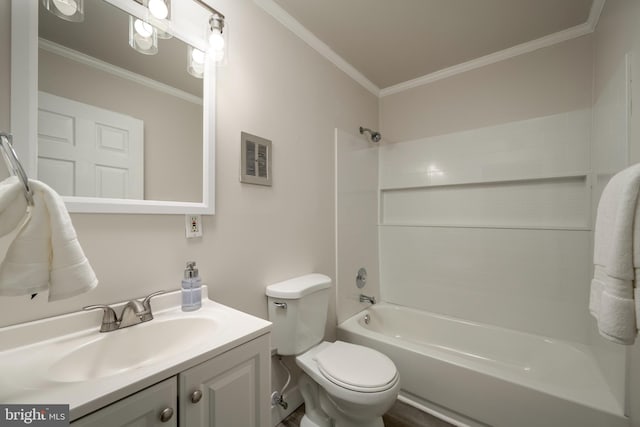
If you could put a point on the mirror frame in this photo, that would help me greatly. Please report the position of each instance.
(24, 111)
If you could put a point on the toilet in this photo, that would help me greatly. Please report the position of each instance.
(343, 384)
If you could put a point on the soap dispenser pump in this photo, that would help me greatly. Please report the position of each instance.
(191, 288)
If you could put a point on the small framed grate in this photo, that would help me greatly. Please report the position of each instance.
(255, 166)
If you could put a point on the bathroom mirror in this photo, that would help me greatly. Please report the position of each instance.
(116, 130)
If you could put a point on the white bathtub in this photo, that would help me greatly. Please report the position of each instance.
(477, 374)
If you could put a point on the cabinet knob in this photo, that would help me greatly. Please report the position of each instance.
(166, 414)
(196, 396)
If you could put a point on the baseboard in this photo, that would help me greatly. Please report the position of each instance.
(293, 397)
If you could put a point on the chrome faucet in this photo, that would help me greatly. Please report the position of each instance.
(134, 312)
(365, 298)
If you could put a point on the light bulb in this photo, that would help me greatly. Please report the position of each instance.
(144, 43)
(142, 28)
(142, 36)
(216, 41)
(66, 7)
(158, 9)
(197, 56)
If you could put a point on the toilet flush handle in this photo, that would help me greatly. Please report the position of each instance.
(282, 305)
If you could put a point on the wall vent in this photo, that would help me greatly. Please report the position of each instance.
(255, 166)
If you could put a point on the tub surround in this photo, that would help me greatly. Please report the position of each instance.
(510, 204)
(356, 219)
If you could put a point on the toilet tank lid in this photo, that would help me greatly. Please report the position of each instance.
(299, 286)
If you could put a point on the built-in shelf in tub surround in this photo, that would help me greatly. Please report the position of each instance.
(561, 202)
(488, 181)
(549, 146)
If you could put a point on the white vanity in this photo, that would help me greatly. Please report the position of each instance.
(204, 368)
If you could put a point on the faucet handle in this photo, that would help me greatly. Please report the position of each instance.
(109, 317)
(146, 304)
(366, 298)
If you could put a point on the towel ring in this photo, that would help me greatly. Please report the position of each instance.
(14, 165)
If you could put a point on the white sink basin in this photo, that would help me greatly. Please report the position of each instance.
(66, 360)
(125, 349)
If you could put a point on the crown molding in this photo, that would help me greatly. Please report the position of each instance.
(594, 13)
(92, 62)
(298, 29)
(322, 48)
(492, 58)
(570, 33)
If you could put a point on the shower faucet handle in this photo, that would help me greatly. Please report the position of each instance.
(366, 298)
(361, 278)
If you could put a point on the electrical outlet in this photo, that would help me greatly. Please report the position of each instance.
(193, 226)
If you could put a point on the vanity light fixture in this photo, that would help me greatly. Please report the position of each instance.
(218, 37)
(69, 10)
(218, 33)
(195, 61)
(143, 36)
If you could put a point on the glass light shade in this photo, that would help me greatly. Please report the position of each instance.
(195, 62)
(158, 8)
(69, 10)
(162, 33)
(159, 15)
(218, 39)
(142, 36)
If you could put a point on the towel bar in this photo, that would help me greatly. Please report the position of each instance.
(14, 165)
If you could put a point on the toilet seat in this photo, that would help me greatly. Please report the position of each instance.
(356, 368)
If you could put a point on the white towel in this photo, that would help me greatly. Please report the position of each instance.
(46, 254)
(13, 204)
(613, 299)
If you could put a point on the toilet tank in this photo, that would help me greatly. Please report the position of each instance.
(298, 310)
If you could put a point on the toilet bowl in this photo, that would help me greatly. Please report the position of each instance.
(343, 384)
(356, 385)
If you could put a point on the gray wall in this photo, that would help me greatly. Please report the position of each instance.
(274, 86)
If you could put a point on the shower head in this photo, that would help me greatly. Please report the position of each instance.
(375, 136)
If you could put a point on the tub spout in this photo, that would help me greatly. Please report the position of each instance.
(365, 298)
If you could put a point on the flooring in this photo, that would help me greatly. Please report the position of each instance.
(400, 415)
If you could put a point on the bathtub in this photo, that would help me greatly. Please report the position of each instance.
(473, 374)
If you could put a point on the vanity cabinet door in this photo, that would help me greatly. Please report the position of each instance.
(152, 407)
(231, 390)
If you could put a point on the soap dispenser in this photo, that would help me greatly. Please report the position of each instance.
(191, 288)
